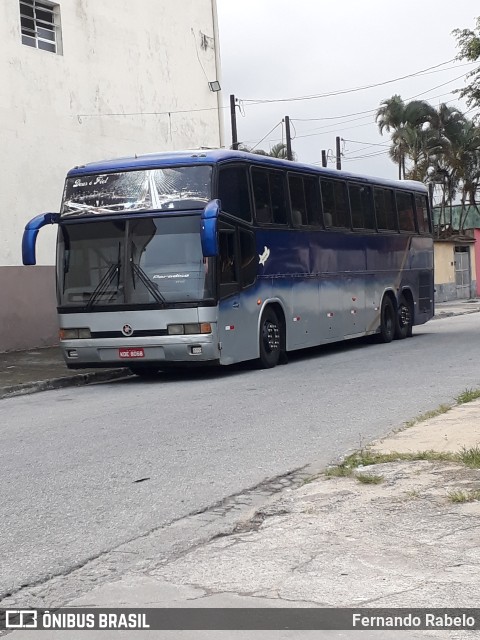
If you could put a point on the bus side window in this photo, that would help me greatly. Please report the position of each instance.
(356, 206)
(261, 194)
(336, 212)
(278, 197)
(312, 199)
(342, 211)
(406, 217)
(385, 210)
(422, 214)
(233, 192)
(297, 201)
(368, 208)
(328, 200)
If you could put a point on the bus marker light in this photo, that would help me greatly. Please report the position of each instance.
(259, 301)
(296, 319)
(205, 327)
(329, 315)
(230, 327)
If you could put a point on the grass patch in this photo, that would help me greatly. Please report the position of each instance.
(470, 457)
(464, 496)
(340, 471)
(443, 408)
(468, 395)
(366, 458)
(413, 494)
(366, 478)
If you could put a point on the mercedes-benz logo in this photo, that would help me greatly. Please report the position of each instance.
(127, 330)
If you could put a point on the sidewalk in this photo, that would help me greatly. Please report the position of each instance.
(41, 369)
(35, 370)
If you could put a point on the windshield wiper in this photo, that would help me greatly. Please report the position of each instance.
(144, 279)
(102, 286)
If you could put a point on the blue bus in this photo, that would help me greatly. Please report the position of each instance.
(223, 256)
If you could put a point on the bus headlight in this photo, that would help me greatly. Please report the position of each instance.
(74, 334)
(189, 329)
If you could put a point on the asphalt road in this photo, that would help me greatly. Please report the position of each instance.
(70, 460)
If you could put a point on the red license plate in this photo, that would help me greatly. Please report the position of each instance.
(131, 353)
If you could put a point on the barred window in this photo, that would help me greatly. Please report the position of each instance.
(40, 25)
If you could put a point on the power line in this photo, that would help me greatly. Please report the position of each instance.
(265, 136)
(366, 155)
(343, 91)
(320, 130)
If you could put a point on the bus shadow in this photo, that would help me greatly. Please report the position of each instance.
(212, 372)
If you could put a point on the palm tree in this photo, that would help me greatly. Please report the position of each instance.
(407, 122)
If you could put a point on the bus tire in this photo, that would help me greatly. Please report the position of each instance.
(404, 319)
(270, 339)
(387, 320)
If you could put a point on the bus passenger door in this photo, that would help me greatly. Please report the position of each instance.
(237, 308)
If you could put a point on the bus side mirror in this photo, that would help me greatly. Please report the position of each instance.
(30, 234)
(208, 230)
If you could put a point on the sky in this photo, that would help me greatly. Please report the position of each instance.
(277, 49)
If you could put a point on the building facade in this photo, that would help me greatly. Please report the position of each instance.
(455, 268)
(84, 80)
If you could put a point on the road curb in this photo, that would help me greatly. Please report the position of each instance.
(63, 382)
(451, 314)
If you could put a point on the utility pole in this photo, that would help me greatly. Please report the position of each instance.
(324, 158)
(233, 117)
(288, 138)
(339, 157)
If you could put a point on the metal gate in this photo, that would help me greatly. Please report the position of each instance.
(462, 272)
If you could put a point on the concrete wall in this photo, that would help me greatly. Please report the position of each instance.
(57, 111)
(28, 298)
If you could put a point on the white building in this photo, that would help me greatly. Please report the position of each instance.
(85, 80)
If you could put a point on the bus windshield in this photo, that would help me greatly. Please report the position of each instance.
(145, 261)
(176, 188)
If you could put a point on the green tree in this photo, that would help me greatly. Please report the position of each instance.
(406, 121)
(468, 41)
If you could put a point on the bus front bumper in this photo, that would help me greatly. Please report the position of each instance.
(80, 354)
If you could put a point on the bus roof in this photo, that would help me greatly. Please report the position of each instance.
(213, 156)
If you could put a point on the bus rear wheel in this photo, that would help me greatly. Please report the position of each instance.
(404, 319)
(270, 339)
(387, 320)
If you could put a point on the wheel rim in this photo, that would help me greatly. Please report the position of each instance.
(404, 315)
(270, 336)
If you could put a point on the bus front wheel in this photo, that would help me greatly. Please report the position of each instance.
(270, 339)
(387, 320)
